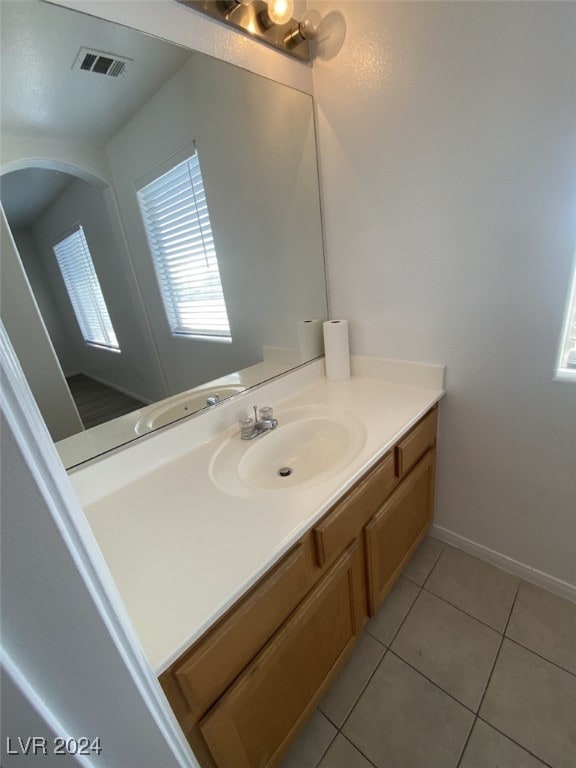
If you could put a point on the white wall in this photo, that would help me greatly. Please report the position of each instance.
(48, 304)
(451, 128)
(24, 323)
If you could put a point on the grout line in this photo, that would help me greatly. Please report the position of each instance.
(353, 707)
(387, 649)
(412, 604)
(464, 706)
(357, 749)
(499, 648)
(395, 635)
(404, 575)
(531, 650)
(326, 716)
(499, 631)
(363, 687)
(373, 637)
(507, 736)
(401, 623)
(434, 566)
(332, 740)
(466, 742)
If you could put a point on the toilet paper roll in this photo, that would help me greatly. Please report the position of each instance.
(310, 339)
(336, 350)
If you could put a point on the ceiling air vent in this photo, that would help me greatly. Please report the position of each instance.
(91, 60)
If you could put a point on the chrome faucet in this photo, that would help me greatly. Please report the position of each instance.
(262, 422)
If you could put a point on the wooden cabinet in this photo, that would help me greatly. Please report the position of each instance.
(243, 690)
(414, 445)
(253, 723)
(349, 515)
(395, 531)
(222, 654)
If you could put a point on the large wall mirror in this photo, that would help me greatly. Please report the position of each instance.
(91, 113)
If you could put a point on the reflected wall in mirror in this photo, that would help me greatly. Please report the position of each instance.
(90, 111)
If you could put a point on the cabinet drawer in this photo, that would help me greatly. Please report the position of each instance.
(344, 521)
(254, 721)
(412, 447)
(221, 654)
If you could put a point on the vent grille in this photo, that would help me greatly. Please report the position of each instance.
(91, 60)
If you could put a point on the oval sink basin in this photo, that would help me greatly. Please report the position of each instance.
(308, 446)
(177, 407)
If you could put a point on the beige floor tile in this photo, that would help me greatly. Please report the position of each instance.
(311, 744)
(384, 625)
(449, 647)
(489, 749)
(476, 587)
(404, 721)
(424, 560)
(534, 703)
(343, 754)
(344, 692)
(546, 624)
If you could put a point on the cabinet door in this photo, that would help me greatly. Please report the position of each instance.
(225, 650)
(397, 528)
(253, 723)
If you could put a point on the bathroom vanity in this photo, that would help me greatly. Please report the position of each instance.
(248, 600)
(242, 691)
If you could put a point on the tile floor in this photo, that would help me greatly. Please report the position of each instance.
(464, 666)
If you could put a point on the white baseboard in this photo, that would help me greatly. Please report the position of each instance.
(541, 579)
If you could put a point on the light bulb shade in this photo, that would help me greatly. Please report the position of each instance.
(310, 24)
(280, 11)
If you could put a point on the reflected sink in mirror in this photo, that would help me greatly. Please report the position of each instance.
(309, 445)
(183, 405)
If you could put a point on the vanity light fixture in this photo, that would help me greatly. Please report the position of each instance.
(231, 4)
(277, 12)
(269, 21)
(307, 28)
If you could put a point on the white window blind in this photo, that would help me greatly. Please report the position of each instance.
(175, 214)
(77, 268)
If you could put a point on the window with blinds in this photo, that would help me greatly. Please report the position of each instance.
(77, 268)
(175, 214)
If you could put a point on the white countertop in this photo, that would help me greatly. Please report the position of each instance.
(181, 550)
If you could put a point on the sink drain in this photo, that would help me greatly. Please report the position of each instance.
(285, 471)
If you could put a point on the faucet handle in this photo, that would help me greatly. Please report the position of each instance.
(246, 427)
(266, 413)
